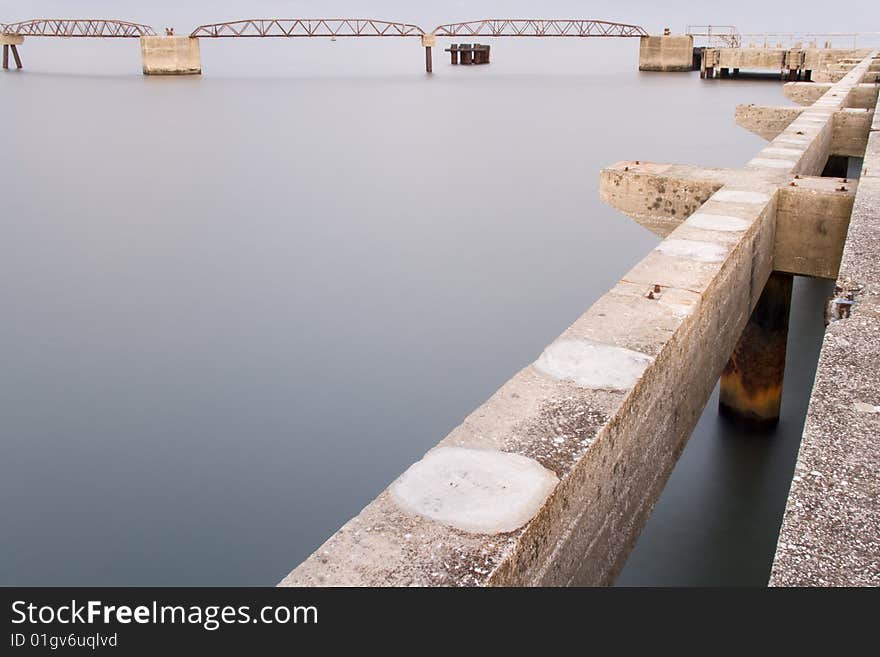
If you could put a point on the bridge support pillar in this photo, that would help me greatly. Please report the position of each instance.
(666, 53)
(428, 42)
(171, 55)
(11, 42)
(751, 384)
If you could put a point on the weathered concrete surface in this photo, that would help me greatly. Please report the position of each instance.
(817, 59)
(766, 122)
(811, 223)
(175, 55)
(863, 96)
(11, 39)
(666, 53)
(849, 134)
(812, 213)
(668, 326)
(830, 534)
(822, 64)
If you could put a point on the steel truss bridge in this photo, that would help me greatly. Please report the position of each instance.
(307, 27)
(366, 27)
(322, 27)
(539, 28)
(77, 28)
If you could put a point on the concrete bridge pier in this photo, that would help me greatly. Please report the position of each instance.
(751, 383)
(171, 55)
(428, 43)
(11, 42)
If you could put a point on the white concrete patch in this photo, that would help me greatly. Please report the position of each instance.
(772, 150)
(813, 118)
(693, 250)
(862, 407)
(736, 196)
(480, 491)
(592, 365)
(679, 309)
(771, 164)
(718, 222)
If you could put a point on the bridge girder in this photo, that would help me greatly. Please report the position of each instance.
(533, 27)
(78, 28)
(307, 27)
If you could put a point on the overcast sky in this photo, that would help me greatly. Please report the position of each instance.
(747, 15)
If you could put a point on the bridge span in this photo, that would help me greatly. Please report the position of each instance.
(179, 55)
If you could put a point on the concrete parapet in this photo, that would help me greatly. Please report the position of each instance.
(666, 53)
(551, 480)
(171, 55)
(830, 533)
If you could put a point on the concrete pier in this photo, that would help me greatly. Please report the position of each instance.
(466, 53)
(830, 533)
(815, 64)
(863, 96)
(428, 43)
(171, 55)
(850, 126)
(10, 43)
(666, 53)
(551, 480)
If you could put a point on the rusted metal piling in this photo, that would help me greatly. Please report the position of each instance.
(6, 49)
(469, 54)
(11, 42)
(751, 384)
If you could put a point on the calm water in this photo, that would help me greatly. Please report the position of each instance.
(236, 307)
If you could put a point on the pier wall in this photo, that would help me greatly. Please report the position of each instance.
(815, 64)
(666, 53)
(171, 55)
(551, 480)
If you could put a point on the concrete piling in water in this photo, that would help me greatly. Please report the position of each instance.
(11, 42)
(469, 54)
(428, 42)
(666, 53)
(751, 383)
(171, 55)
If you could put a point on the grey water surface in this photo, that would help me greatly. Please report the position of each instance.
(236, 306)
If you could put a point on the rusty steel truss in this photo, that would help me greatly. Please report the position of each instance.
(78, 27)
(533, 27)
(307, 27)
(367, 27)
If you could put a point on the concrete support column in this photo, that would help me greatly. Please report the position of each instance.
(666, 53)
(171, 55)
(751, 384)
(428, 42)
(11, 42)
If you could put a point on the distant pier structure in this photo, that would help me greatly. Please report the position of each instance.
(468, 54)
